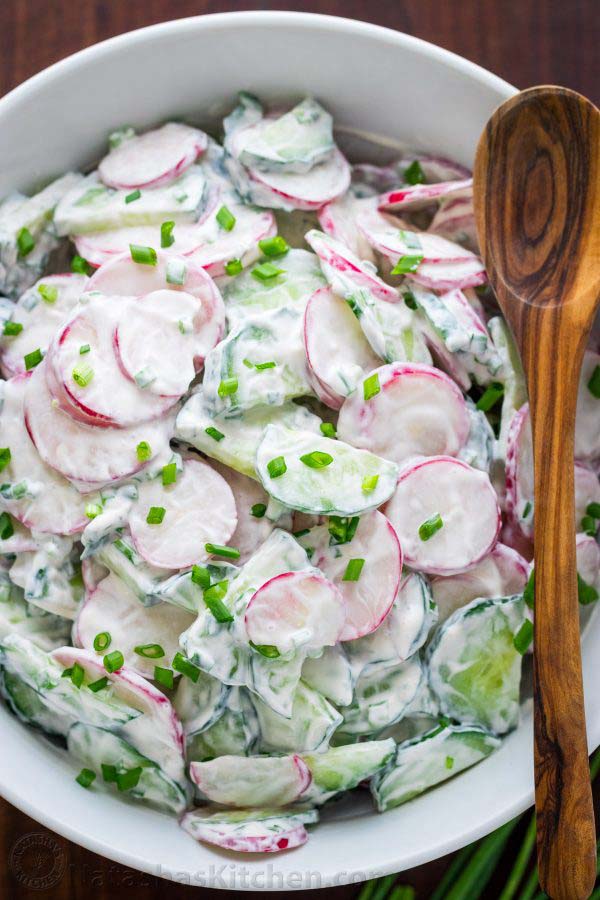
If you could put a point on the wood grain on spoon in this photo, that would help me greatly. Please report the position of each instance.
(537, 203)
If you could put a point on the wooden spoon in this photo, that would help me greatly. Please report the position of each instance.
(537, 204)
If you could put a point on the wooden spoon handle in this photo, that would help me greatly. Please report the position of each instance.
(565, 813)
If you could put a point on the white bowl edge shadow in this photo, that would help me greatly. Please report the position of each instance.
(195, 67)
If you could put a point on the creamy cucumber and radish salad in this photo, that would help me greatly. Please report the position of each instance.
(266, 491)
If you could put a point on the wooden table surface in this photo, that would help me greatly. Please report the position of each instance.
(525, 41)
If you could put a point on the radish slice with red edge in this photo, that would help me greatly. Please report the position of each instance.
(296, 609)
(249, 781)
(199, 509)
(587, 490)
(519, 473)
(418, 411)
(446, 515)
(588, 560)
(218, 247)
(339, 258)
(251, 501)
(251, 831)
(99, 247)
(455, 220)
(338, 220)
(419, 196)
(154, 158)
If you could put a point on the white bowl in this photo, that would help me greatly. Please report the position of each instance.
(380, 82)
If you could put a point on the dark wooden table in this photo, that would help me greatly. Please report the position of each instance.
(525, 41)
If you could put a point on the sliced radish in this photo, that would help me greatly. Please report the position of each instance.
(519, 473)
(92, 573)
(588, 559)
(419, 196)
(417, 411)
(251, 831)
(155, 340)
(123, 277)
(218, 246)
(251, 501)
(337, 351)
(110, 398)
(502, 573)
(338, 220)
(453, 503)
(241, 781)
(199, 509)
(455, 220)
(451, 363)
(40, 319)
(335, 256)
(369, 598)
(587, 420)
(296, 609)
(99, 247)
(514, 538)
(88, 456)
(587, 490)
(154, 158)
(439, 168)
(50, 504)
(113, 607)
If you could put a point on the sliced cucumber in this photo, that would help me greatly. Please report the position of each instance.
(45, 630)
(294, 142)
(247, 781)
(382, 696)
(235, 732)
(123, 560)
(511, 375)
(331, 675)
(181, 591)
(200, 704)
(478, 450)
(343, 768)
(313, 720)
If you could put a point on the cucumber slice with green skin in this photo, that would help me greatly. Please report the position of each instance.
(309, 728)
(474, 668)
(181, 591)
(410, 727)
(235, 732)
(218, 246)
(153, 159)
(199, 509)
(250, 831)
(478, 449)
(122, 559)
(420, 196)
(330, 674)
(114, 608)
(337, 352)
(500, 574)
(336, 489)
(519, 473)
(512, 377)
(247, 112)
(242, 433)
(245, 295)
(446, 489)
(252, 528)
(418, 411)
(91, 206)
(382, 696)
(200, 704)
(296, 610)
(50, 504)
(338, 220)
(46, 578)
(45, 630)
(247, 781)
(29, 705)
(428, 760)
(587, 432)
(273, 337)
(344, 768)
(40, 319)
(95, 747)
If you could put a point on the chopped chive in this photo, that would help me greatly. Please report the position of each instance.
(409, 299)
(414, 174)
(25, 242)
(12, 329)
(328, 429)
(169, 474)
(81, 266)
(6, 526)
(586, 593)
(186, 667)
(133, 196)
(317, 459)
(85, 348)
(429, 527)
(265, 271)
(589, 526)
(166, 234)
(77, 674)
(353, 570)
(155, 515)
(523, 638)
(48, 292)
(529, 590)
(66, 673)
(145, 256)
(164, 676)
(258, 510)
(276, 467)
(109, 773)
(449, 762)
(92, 510)
(490, 397)
(217, 590)
(274, 246)
(267, 650)
(527, 509)
(233, 267)
(176, 271)
(369, 483)
(594, 383)
(342, 529)
(214, 433)
(99, 684)
(226, 219)
(113, 661)
(33, 359)
(227, 387)
(143, 451)
(220, 550)
(126, 781)
(85, 778)
(149, 651)
(102, 641)
(371, 386)
(407, 264)
(592, 509)
(248, 364)
(82, 375)
(213, 598)
(201, 576)
(5, 457)
(265, 365)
